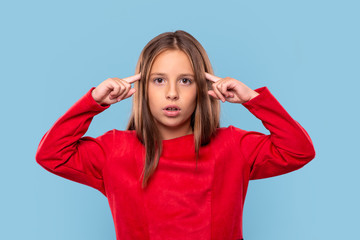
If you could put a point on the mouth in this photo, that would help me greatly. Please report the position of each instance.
(172, 110)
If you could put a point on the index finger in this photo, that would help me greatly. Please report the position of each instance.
(132, 78)
(212, 77)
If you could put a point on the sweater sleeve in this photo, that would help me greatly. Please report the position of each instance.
(288, 147)
(64, 152)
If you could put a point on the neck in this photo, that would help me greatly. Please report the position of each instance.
(170, 133)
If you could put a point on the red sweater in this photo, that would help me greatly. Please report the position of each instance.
(181, 202)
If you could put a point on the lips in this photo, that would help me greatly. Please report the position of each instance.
(172, 108)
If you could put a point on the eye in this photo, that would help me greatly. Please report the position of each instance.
(158, 80)
(187, 81)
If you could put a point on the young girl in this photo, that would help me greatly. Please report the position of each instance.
(175, 173)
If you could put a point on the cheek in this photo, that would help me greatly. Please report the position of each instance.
(151, 95)
(155, 99)
(151, 100)
(191, 96)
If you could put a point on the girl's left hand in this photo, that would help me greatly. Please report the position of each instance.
(230, 89)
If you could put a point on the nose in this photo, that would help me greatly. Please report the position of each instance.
(172, 91)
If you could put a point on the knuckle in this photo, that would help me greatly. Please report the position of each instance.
(115, 81)
(119, 83)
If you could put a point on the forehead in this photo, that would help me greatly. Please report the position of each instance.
(172, 62)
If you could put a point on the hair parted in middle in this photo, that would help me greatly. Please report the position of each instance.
(206, 116)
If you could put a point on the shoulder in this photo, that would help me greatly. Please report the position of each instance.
(121, 141)
(116, 135)
(229, 133)
(125, 137)
(230, 130)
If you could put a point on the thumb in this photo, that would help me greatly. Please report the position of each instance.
(212, 93)
(130, 93)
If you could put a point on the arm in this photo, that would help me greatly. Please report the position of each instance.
(287, 148)
(64, 152)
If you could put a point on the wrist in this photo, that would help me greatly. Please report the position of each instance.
(92, 95)
(253, 94)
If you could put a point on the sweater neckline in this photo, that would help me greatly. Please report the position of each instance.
(179, 147)
(178, 139)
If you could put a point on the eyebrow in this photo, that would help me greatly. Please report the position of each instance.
(182, 75)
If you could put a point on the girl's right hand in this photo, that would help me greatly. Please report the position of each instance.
(113, 90)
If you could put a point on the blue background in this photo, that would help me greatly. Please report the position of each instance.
(306, 52)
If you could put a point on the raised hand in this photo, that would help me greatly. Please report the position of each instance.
(230, 89)
(113, 90)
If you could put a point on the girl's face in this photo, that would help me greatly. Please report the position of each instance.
(172, 82)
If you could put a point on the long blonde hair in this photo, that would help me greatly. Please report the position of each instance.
(206, 117)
